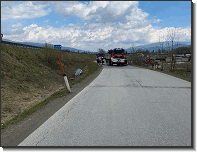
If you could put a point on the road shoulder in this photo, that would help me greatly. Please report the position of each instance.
(16, 133)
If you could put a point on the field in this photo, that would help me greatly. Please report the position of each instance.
(31, 76)
(182, 70)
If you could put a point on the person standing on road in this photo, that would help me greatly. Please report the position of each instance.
(99, 59)
(102, 60)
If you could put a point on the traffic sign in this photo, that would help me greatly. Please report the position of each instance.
(57, 47)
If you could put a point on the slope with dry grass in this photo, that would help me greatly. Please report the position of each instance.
(29, 76)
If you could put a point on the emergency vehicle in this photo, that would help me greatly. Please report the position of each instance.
(116, 56)
(100, 58)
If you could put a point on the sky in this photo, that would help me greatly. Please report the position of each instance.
(89, 25)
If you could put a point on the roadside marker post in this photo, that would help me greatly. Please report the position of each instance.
(64, 75)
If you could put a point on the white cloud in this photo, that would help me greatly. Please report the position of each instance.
(105, 37)
(16, 26)
(16, 29)
(46, 21)
(28, 9)
(105, 25)
(101, 11)
(181, 34)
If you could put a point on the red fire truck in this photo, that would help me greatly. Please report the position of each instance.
(116, 56)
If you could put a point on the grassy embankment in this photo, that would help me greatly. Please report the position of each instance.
(30, 78)
(178, 74)
(182, 70)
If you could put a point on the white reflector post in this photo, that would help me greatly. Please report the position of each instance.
(67, 84)
(64, 75)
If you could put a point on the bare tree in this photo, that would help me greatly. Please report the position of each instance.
(160, 36)
(177, 40)
(133, 48)
(171, 36)
(161, 39)
(48, 46)
(168, 46)
(101, 51)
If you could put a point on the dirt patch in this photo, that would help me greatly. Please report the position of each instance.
(16, 133)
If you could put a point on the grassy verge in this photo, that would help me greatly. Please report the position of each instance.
(21, 116)
(91, 68)
(175, 73)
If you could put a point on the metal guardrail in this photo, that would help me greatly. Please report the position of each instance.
(34, 47)
(21, 45)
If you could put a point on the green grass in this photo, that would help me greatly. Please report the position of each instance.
(32, 110)
(92, 68)
(23, 67)
(27, 99)
(177, 74)
(7, 108)
(43, 103)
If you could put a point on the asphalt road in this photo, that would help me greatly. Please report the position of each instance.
(123, 106)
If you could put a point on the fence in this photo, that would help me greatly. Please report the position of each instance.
(36, 47)
(21, 45)
(180, 67)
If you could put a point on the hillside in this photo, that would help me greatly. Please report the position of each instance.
(155, 46)
(43, 45)
(30, 76)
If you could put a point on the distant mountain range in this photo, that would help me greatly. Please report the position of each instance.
(150, 47)
(43, 45)
(156, 46)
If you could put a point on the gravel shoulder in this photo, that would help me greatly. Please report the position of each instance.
(16, 133)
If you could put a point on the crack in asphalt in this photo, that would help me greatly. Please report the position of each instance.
(139, 82)
(63, 117)
(42, 138)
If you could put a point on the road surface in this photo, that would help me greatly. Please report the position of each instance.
(123, 106)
